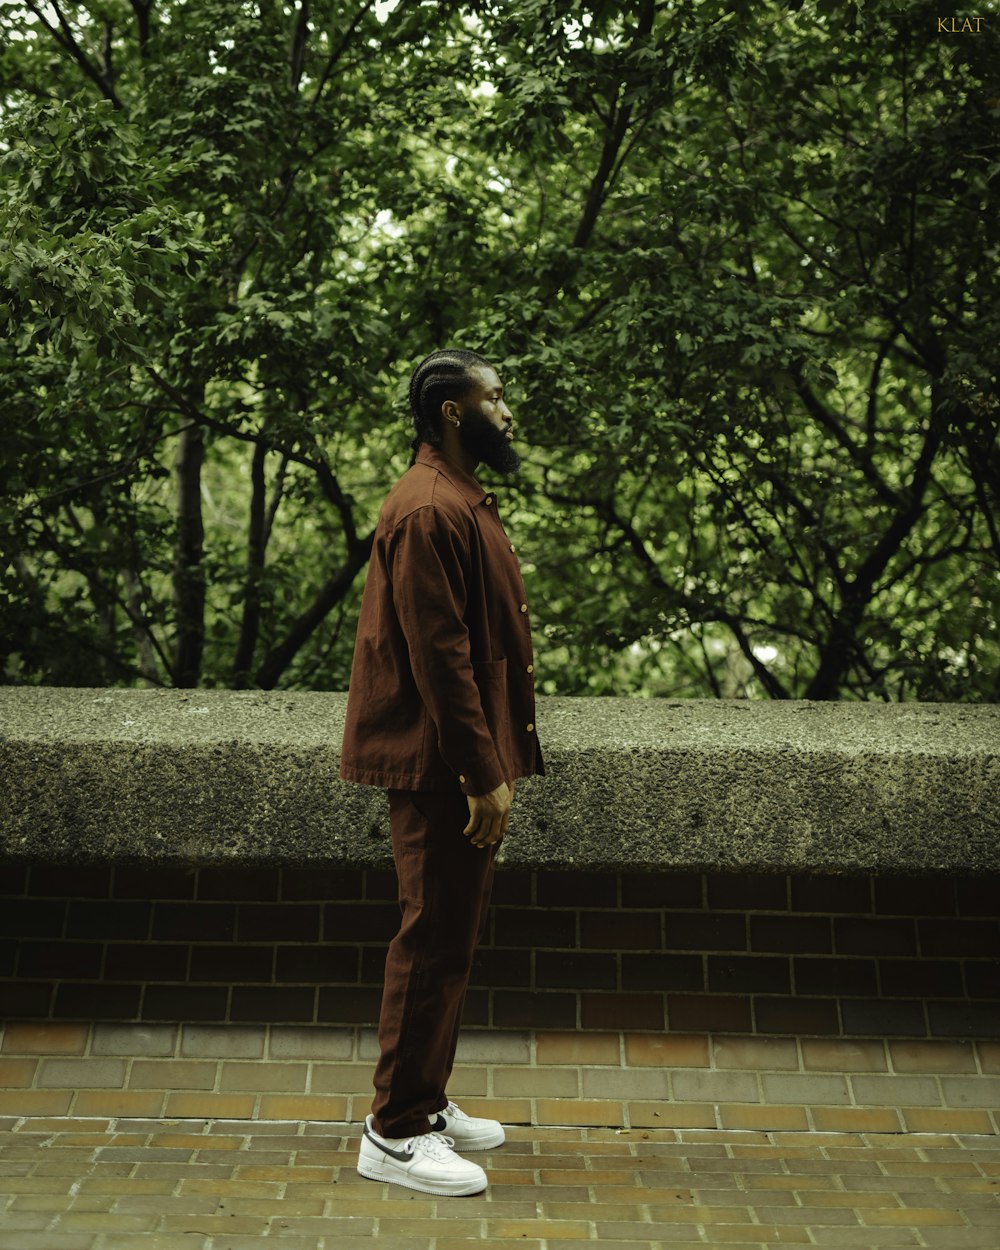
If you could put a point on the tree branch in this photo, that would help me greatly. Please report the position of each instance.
(250, 622)
(66, 40)
(329, 594)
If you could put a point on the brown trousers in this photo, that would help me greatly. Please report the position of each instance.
(444, 894)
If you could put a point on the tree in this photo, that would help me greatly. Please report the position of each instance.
(737, 262)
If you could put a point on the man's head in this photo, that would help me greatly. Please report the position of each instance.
(456, 398)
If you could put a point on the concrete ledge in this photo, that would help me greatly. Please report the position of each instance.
(210, 777)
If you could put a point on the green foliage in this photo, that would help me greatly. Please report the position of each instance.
(737, 263)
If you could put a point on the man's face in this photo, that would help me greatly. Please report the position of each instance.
(487, 422)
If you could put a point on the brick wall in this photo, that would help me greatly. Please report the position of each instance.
(825, 957)
(767, 993)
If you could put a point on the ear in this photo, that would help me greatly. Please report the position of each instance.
(451, 411)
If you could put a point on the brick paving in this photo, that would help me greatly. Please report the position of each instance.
(131, 1184)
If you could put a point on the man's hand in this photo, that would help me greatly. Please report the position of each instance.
(488, 815)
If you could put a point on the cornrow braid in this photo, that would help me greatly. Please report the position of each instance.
(439, 376)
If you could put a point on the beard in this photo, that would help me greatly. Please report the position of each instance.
(489, 445)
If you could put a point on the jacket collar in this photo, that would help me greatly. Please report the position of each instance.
(463, 482)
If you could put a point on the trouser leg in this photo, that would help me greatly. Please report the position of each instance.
(484, 904)
(444, 884)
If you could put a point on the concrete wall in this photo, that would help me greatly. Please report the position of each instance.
(214, 777)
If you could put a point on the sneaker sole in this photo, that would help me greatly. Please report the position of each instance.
(443, 1189)
(487, 1143)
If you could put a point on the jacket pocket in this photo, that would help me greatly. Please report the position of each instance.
(491, 678)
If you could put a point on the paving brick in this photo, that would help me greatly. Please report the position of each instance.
(45, 1038)
(576, 1048)
(301, 1042)
(923, 1216)
(579, 1111)
(550, 1230)
(971, 1091)
(183, 1105)
(666, 1050)
(671, 1115)
(173, 1074)
(896, 1091)
(148, 1040)
(302, 1107)
(17, 1073)
(116, 1102)
(222, 1041)
(715, 1086)
(494, 1047)
(843, 1055)
(624, 1083)
(272, 1077)
(755, 1053)
(856, 1119)
(511, 1082)
(943, 1057)
(736, 1116)
(341, 1078)
(805, 1089)
(946, 1120)
(81, 1074)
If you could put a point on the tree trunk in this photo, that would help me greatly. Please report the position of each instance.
(189, 576)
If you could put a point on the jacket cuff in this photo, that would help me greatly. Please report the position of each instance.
(479, 777)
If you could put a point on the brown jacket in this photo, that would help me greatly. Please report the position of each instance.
(441, 690)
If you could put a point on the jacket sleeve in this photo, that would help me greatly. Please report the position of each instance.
(430, 567)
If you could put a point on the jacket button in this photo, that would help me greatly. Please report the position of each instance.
(524, 607)
(461, 777)
(530, 727)
(489, 499)
(512, 547)
(530, 668)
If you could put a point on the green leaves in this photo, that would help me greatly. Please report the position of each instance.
(735, 262)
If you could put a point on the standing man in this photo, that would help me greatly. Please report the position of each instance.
(441, 714)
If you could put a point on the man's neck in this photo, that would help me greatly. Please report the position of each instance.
(455, 452)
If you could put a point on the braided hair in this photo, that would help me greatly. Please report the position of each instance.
(439, 376)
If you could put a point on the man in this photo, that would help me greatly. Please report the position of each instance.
(440, 713)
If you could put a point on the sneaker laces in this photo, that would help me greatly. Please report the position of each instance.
(435, 1145)
(456, 1113)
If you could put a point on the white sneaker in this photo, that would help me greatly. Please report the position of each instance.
(426, 1162)
(467, 1132)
